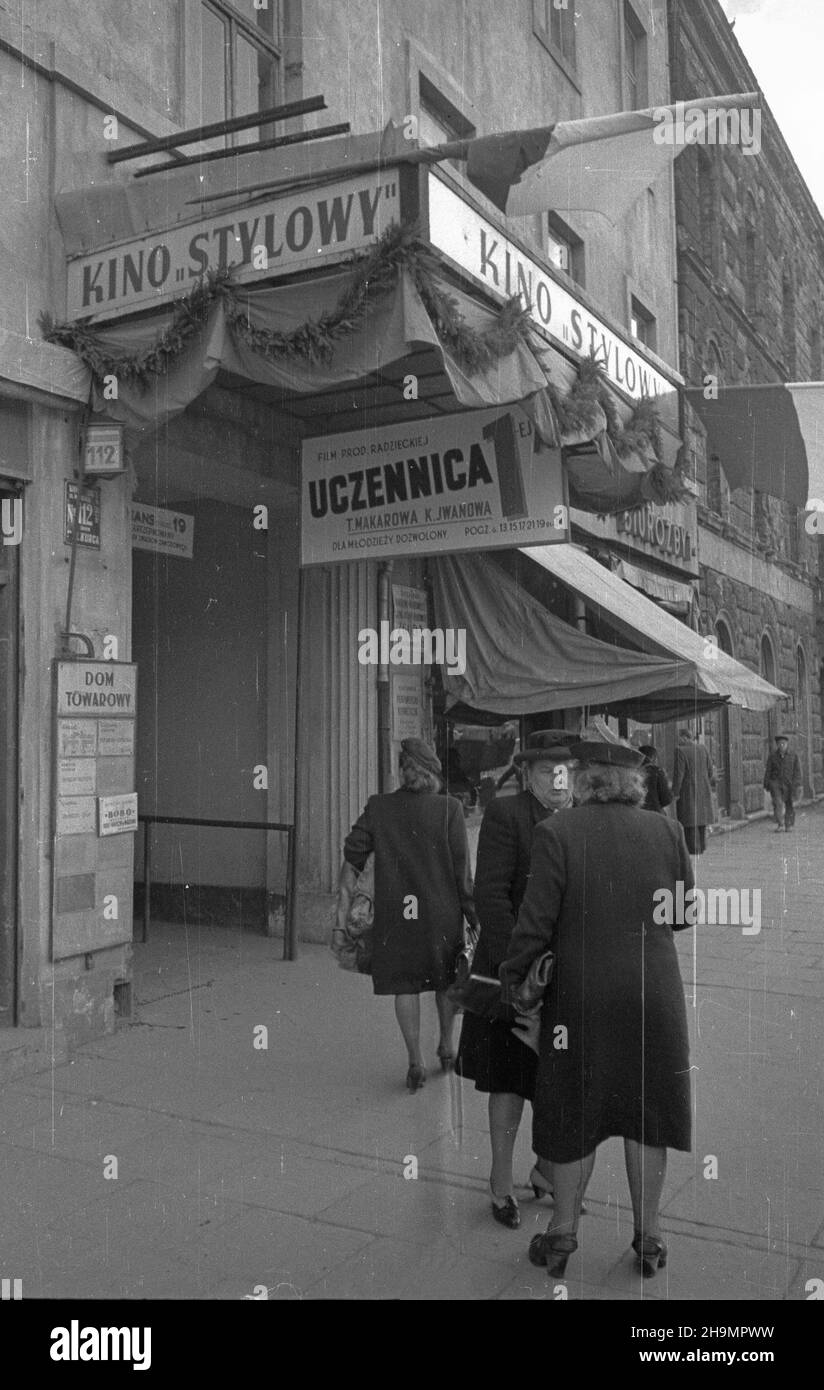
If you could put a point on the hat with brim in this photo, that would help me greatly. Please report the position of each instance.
(779, 738)
(546, 746)
(613, 754)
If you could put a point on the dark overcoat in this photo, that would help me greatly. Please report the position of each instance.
(659, 793)
(693, 779)
(783, 771)
(421, 853)
(614, 1049)
(489, 1054)
(501, 873)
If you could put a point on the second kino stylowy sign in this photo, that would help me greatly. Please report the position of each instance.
(472, 481)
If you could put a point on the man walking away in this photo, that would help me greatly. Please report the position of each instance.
(693, 782)
(782, 779)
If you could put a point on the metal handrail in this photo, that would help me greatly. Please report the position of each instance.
(289, 931)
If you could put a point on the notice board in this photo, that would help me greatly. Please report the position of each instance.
(95, 805)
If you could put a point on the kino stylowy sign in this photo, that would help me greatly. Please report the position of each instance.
(490, 257)
(472, 481)
(308, 227)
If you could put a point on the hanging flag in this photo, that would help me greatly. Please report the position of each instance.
(600, 163)
(769, 438)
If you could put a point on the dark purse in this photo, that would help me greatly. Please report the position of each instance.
(530, 992)
(474, 993)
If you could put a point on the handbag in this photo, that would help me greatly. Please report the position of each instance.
(530, 992)
(353, 934)
(528, 1000)
(474, 993)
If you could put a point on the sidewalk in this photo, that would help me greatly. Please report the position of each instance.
(239, 1168)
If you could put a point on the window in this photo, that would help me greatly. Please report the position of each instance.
(707, 207)
(240, 65)
(788, 323)
(635, 59)
(439, 121)
(553, 22)
(642, 323)
(564, 248)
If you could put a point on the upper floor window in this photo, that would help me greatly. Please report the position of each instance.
(642, 323)
(708, 207)
(240, 63)
(439, 122)
(788, 323)
(565, 248)
(553, 22)
(750, 264)
(635, 60)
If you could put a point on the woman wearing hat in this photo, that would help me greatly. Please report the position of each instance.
(423, 891)
(614, 1052)
(490, 1054)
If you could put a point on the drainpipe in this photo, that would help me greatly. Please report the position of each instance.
(384, 689)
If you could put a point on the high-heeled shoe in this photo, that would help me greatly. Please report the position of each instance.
(505, 1210)
(553, 1251)
(415, 1078)
(651, 1252)
(446, 1057)
(540, 1185)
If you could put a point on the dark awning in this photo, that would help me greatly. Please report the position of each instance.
(521, 659)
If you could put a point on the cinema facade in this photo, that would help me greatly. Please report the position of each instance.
(336, 415)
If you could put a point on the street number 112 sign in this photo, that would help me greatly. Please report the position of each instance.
(103, 451)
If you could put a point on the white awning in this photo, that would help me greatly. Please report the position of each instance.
(652, 629)
(657, 586)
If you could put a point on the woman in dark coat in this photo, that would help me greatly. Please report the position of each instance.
(659, 793)
(490, 1054)
(423, 891)
(693, 783)
(614, 1052)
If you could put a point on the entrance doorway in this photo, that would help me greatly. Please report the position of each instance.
(8, 777)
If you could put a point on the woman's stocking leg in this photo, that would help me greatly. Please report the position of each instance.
(646, 1170)
(408, 1014)
(447, 1013)
(569, 1181)
(505, 1112)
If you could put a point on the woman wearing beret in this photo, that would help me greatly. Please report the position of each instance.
(614, 1051)
(490, 1054)
(423, 891)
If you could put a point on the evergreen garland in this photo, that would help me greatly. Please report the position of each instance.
(374, 274)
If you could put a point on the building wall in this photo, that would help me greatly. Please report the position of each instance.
(759, 569)
(487, 61)
(65, 68)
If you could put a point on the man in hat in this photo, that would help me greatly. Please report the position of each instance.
(693, 782)
(782, 779)
(490, 1055)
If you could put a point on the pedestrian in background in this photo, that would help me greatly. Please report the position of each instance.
(693, 782)
(659, 792)
(423, 891)
(782, 779)
(490, 1054)
(614, 1047)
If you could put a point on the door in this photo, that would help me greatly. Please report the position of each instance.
(8, 777)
